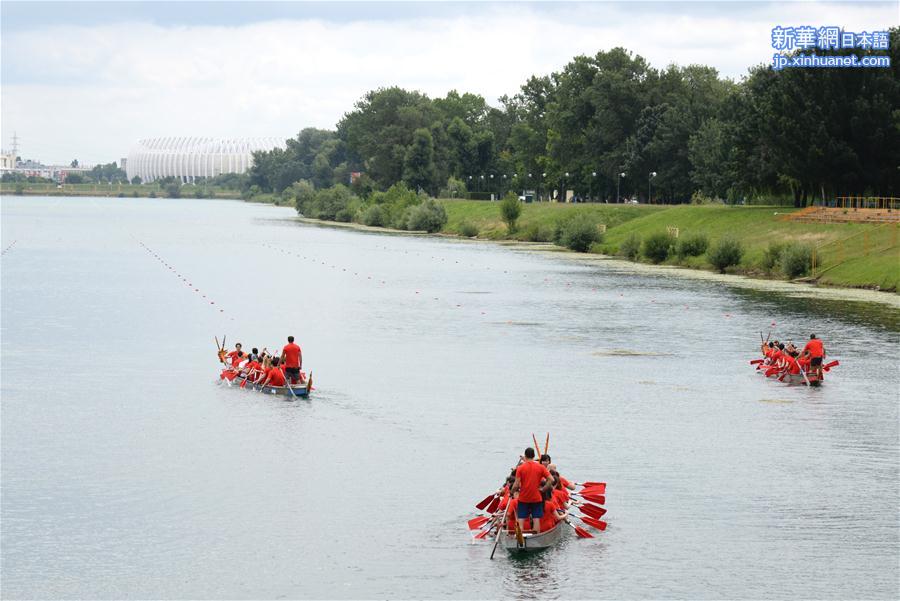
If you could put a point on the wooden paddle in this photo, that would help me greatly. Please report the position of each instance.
(500, 527)
(547, 444)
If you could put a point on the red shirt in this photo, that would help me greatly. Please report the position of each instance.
(292, 355)
(252, 368)
(276, 377)
(793, 366)
(815, 348)
(236, 357)
(511, 515)
(549, 520)
(560, 497)
(529, 475)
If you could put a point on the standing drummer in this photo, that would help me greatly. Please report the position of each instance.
(292, 359)
(816, 352)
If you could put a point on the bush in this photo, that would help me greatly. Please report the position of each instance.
(173, 190)
(334, 202)
(691, 246)
(373, 216)
(725, 253)
(578, 233)
(631, 247)
(428, 216)
(152, 194)
(74, 178)
(134, 194)
(772, 255)
(510, 209)
(469, 230)
(304, 195)
(796, 260)
(455, 188)
(20, 189)
(540, 233)
(657, 246)
(121, 195)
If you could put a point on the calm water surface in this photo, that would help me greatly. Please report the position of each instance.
(127, 472)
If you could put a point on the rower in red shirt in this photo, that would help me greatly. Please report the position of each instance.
(292, 358)
(511, 513)
(529, 476)
(252, 370)
(236, 356)
(551, 515)
(815, 350)
(274, 376)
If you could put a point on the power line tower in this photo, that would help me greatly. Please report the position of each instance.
(15, 144)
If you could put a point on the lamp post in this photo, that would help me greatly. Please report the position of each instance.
(619, 177)
(541, 182)
(492, 187)
(503, 186)
(591, 190)
(650, 179)
(481, 185)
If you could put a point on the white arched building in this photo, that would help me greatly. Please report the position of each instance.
(190, 158)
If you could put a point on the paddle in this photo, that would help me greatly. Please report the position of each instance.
(591, 484)
(598, 524)
(493, 505)
(756, 361)
(537, 447)
(547, 444)
(500, 528)
(476, 523)
(828, 366)
(287, 382)
(598, 499)
(486, 501)
(591, 510)
(581, 532)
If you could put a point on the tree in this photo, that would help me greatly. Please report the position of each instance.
(74, 163)
(418, 165)
(136, 180)
(510, 209)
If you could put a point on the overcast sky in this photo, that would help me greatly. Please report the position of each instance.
(87, 79)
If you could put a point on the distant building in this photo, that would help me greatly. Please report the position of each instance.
(7, 160)
(192, 158)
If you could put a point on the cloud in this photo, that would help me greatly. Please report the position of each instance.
(91, 91)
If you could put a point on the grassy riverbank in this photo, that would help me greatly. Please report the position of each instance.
(847, 254)
(115, 190)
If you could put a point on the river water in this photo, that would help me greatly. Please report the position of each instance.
(127, 472)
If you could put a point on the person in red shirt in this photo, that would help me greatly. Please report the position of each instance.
(552, 514)
(274, 376)
(790, 364)
(251, 370)
(511, 514)
(531, 478)
(236, 356)
(815, 350)
(551, 467)
(292, 358)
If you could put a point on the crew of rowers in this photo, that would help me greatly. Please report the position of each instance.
(535, 497)
(266, 369)
(781, 357)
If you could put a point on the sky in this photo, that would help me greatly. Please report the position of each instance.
(86, 80)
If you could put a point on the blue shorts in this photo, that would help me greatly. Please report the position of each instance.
(535, 510)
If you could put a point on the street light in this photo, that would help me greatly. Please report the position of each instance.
(649, 179)
(563, 191)
(619, 177)
(591, 190)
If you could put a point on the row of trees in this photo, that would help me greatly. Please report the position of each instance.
(675, 133)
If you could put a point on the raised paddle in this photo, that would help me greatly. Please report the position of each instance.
(547, 444)
(487, 500)
(537, 447)
(581, 532)
(494, 505)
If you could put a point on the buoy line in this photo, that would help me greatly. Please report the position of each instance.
(181, 277)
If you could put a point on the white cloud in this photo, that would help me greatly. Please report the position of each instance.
(90, 92)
